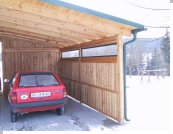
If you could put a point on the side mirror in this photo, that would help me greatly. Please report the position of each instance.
(7, 81)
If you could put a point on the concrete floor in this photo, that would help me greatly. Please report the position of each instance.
(77, 117)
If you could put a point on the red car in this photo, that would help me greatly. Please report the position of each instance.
(36, 91)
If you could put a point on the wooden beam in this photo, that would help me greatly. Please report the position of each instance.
(99, 42)
(43, 43)
(101, 88)
(100, 59)
(75, 17)
(30, 35)
(60, 32)
(20, 26)
(26, 37)
(31, 50)
(36, 31)
(112, 59)
(120, 80)
(85, 31)
(69, 59)
(51, 43)
(80, 72)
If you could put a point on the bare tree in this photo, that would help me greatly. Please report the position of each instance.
(135, 58)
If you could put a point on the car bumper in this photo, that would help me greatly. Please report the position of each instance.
(31, 105)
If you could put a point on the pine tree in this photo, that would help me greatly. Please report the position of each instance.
(165, 48)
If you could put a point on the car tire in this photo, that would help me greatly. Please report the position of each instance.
(13, 116)
(60, 111)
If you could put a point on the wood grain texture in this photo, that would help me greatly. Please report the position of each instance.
(120, 80)
(99, 74)
(33, 57)
(40, 19)
(101, 100)
(97, 82)
(95, 86)
(111, 59)
(70, 70)
(93, 81)
(93, 43)
(36, 19)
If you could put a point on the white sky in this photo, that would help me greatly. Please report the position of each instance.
(122, 9)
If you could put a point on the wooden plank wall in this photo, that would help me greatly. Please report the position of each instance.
(98, 88)
(92, 83)
(70, 76)
(23, 55)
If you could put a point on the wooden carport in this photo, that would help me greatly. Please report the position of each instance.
(35, 33)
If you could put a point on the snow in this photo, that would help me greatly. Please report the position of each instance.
(148, 103)
(148, 110)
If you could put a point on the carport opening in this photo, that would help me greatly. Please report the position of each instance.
(90, 71)
(72, 42)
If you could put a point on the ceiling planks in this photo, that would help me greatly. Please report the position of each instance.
(37, 19)
(54, 24)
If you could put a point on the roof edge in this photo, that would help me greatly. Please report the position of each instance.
(94, 13)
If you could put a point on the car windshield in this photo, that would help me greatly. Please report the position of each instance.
(33, 80)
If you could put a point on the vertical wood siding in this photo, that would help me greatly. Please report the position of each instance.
(23, 55)
(25, 61)
(96, 85)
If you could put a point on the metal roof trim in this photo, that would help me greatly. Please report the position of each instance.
(94, 13)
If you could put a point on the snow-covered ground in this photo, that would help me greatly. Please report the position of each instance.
(148, 103)
(148, 109)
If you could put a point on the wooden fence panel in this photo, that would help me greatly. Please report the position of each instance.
(25, 61)
(93, 84)
(70, 70)
(99, 74)
(23, 55)
(26, 55)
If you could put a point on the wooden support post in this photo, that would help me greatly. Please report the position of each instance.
(120, 80)
(59, 71)
(80, 82)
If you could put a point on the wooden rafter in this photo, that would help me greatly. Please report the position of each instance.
(35, 36)
(57, 35)
(37, 19)
(66, 27)
(30, 50)
(37, 31)
(99, 42)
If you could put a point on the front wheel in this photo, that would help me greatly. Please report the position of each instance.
(13, 116)
(60, 111)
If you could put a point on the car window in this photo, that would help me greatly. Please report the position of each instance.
(33, 80)
(46, 80)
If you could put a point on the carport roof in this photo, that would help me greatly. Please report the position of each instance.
(94, 13)
(59, 23)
